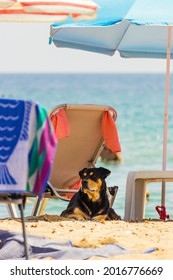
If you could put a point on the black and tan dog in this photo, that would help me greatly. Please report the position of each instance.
(91, 201)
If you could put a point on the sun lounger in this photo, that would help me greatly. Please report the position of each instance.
(82, 132)
(27, 148)
(135, 199)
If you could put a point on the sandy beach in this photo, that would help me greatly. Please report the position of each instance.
(135, 236)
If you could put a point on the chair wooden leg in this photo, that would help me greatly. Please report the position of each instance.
(43, 206)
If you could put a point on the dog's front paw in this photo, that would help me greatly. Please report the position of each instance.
(99, 217)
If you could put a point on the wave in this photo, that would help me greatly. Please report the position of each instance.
(9, 105)
(7, 128)
(13, 118)
(9, 139)
(4, 148)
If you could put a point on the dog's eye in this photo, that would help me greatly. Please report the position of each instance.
(91, 173)
(85, 174)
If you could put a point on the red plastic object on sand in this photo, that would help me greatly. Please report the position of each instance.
(161, 210)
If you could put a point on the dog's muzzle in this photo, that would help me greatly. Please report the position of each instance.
(85, 184)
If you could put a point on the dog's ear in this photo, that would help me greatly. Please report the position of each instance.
(104, 172)
(82, 172)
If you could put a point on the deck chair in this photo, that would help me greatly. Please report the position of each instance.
(80, 147)
(27, 148)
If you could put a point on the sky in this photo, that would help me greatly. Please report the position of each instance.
(24, 48)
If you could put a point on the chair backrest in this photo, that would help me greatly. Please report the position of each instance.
(83, 146)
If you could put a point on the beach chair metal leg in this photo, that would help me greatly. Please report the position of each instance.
(36, 206)
(12, 210)
(24, 231)
(112, 192)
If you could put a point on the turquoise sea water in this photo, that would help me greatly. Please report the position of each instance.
(139, 100)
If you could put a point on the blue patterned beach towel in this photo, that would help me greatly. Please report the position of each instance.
(27, 147)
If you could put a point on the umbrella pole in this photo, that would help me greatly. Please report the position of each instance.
(165, 136)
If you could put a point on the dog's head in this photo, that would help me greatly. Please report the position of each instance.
(93, 181)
